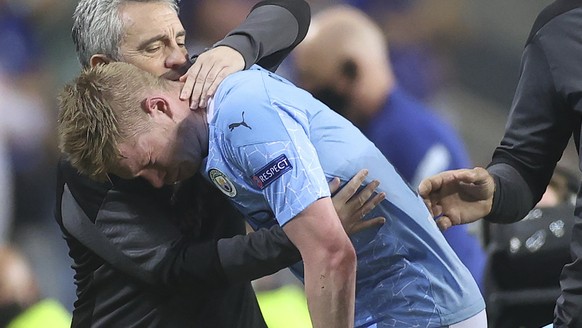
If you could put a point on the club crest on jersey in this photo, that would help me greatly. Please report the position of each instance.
(271, 172)
(222, 182)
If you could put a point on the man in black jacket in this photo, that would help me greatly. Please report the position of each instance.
(190, 273)
(545, 114)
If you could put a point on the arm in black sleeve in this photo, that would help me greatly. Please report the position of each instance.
(539, 126)
(139, 226)
(271, 30)
(512, 198)
(251, 256)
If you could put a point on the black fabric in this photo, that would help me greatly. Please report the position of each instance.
(255, 254)
(189, 281)
(80, 226)
(289, 21)
(538, 244)
(524, 264)
(555, 9)
(546, 113)
(510, 199)
(8, 312)
(302, 13)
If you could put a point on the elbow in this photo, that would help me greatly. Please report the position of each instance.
(301, 10)
(341, 258)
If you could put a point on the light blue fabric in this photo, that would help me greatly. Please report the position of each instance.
(419, 144)
(273, 147)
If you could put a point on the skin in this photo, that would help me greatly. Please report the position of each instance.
(458, 196)
(355, 39)
(174, 149)
(154, 41)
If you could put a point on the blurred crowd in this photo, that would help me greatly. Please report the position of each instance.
(459, 57)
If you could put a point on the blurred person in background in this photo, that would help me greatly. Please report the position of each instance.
(21, 304)
(544, 116)
(5, 192)
(29, 150)
(357, 81)
(419, 32)
(5, 185)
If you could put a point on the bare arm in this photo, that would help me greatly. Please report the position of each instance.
(329, 264)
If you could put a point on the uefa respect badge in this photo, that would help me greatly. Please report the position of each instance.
(271, 172)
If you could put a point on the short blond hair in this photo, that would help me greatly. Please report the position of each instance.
(100, 109)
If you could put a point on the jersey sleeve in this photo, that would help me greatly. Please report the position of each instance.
(275, 156)
(286, 172)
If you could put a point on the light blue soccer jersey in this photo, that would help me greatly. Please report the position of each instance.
(273, 148)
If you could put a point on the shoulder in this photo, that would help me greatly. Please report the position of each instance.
(552, 13)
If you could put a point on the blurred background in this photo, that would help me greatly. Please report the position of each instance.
(459, 56)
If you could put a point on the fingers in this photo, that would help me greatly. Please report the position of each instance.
(443, 222)
(198, 77)
(352, 186)
(334, 184)
(189, 80)
(374, 222)
(372, 203)
(210, 88)
(432, 184)
(428, 204)
(425, 187)
(209, 70)
(204, 79)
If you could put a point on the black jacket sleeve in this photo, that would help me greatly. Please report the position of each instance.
(142, 223)
(544, 114)
(141, 227)
(251, 256)
(271, 30)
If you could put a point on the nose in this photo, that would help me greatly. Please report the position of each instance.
(176, 57)
(154, 177)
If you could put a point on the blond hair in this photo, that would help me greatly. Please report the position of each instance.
(100, 109)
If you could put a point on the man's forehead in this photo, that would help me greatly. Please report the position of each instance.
(151, 18)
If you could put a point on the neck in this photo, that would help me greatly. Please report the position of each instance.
(194, 132)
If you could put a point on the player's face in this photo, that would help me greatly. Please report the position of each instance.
(156, 156)
(154, 37)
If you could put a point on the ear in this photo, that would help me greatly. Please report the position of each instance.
(99, 59)
(157, 105)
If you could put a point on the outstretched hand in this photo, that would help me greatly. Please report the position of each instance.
(211, 68)
(458, 196)
(351, 207)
